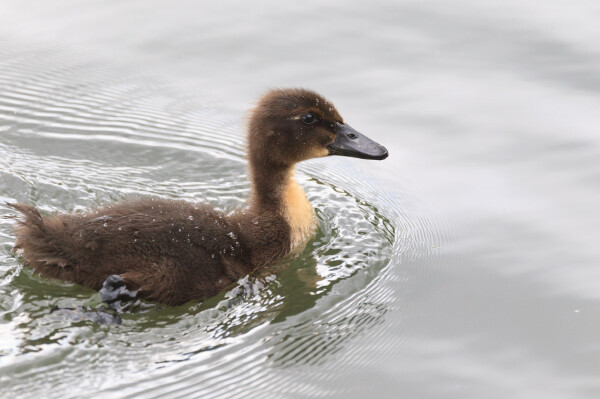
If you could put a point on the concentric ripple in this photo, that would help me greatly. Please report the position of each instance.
(75, 135)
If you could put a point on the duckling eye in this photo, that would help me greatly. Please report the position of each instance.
(309, 119)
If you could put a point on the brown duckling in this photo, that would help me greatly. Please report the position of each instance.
(172, 251)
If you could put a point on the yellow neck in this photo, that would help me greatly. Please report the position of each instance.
(298, 212)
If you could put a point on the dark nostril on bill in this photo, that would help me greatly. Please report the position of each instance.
(352, 135)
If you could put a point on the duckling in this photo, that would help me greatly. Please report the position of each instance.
(171, 251)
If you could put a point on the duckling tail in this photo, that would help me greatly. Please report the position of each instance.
(30, 232)
(32, 215)
(40, 251)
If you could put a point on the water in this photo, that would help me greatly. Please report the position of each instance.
(465, 265)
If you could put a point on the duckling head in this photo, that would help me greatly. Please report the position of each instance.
(291, 125)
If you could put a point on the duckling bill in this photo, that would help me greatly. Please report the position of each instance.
(171, 251)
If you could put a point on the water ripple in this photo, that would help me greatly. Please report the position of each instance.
(75, 135)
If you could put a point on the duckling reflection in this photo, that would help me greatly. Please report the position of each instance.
(170, 251)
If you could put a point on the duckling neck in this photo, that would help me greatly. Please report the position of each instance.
(278, 192)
